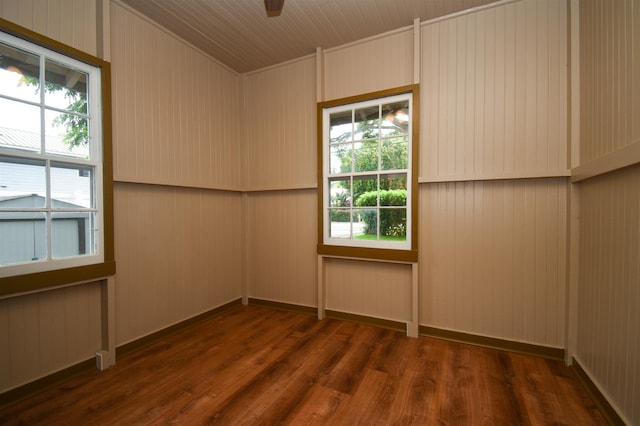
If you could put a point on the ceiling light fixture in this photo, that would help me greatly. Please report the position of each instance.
(274, 7)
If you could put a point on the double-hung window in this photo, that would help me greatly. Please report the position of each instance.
(52, 177)
(367, 196)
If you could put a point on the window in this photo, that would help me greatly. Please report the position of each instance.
(53, 182)
(367, 196)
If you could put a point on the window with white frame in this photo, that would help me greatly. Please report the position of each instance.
(368, 184)
(51, 160)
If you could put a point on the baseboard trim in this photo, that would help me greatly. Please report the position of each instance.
(29, 389)
(494, 343)
(455, 336)
(366, 320)
(342, 316)
(136, 345)
(281, 306)
(607, 410)
(25, 391)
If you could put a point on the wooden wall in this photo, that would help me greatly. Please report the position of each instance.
(609, 87)
(178, 168)
(72, 22)
(492, 257)
(609, 294)
(495, 94)
(495, 113)
(178, 255)
(369, 65)
(281, 246)
(45, 332)
(280, 134)
(176, 111)
(608, 319)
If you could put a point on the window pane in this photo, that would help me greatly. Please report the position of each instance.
(366, 156)
(340, 220)
(49, 192)
(72, 234)
(66, 87)
(19, 126)
(22, 183)
(393, 224)
(367, 122)
(23, 237)
(365, 191)
(340, 193)
(19, 74)
(366, 221)
(340, 127)
(66, 134)
(340, 158)
(395, 118)
(393, 181)
(393, 197)
(71, 186)
(395, 153)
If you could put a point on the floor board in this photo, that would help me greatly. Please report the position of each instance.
(260, 366)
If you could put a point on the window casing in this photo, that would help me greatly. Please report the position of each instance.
(367, 156)
(55, 191)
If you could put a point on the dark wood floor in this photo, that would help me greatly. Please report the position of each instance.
(258, 366)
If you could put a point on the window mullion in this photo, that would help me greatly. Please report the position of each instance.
(42, 78)
(48, 206)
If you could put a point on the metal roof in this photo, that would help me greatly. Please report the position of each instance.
(31, 141)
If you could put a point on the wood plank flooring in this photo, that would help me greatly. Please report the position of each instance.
(259, 366)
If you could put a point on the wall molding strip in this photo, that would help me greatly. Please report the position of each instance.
(281, 306)
(497, 176)
(136, 345)
(605, 407)
(624, 157)
(494, 343)
(32, 388)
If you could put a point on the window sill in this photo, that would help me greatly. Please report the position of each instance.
(365, 253)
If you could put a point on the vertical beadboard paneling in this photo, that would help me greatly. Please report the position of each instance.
(46, 332)
(493, 258)
(376, 64)
(282, 246)
(609, 296)
(176, 112)
(609, 271)
(83, 311)
(494, 93)
(375, 289)
(178, 254)
(5, 344)
(609, 68)
(24, 347)
(280, 126)
(72, 22)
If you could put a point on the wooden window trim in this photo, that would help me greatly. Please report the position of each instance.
(60, 277)
(393, 255)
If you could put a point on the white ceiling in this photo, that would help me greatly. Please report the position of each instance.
(239, 34)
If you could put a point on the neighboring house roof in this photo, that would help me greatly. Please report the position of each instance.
(30, 141)
(34, 201)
